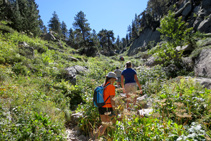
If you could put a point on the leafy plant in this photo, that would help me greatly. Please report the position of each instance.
(174, 32)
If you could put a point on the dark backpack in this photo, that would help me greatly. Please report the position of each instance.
(98, 96)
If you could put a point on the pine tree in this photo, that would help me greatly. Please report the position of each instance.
(71, 34)
(81, 26)
(64, 29)
(124, 44)
(134, 30)
(127, 39)
(129, 30)
(102, 38)
(111, 38)
(42, 26)
(3, 10)
(106, 38)
(24, 15)
(54, 24)
(71, 38)
(94, 39)
(118, 42)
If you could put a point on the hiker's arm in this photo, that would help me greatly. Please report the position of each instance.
(136, 79)
(122, 83)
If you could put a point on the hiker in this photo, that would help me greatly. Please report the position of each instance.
(131, 79)
(118, 75)
(121, 58)
(107, 111)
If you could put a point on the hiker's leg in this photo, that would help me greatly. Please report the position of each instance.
(130, 90)
(118, 81)
(133, 90)
(128, 94)
(105, 119)
(127, 90)
(112, 119)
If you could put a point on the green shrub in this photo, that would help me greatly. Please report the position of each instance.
(27, 125)
(151, 79)
(183, 101)
(2, 60)
(71, 91)
(19, 68)
(174, 32)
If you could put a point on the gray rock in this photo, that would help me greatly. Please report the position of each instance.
(152, 61)
(145, 37)
(180, 11)
(82, 138)
(205, 82)
(187, 10)
(205, 25)
(185, 48)
(188, 63)
(202, 65)
(71, 72)
(70, 58)
(196, 9)
(76, 117)
(49, 37)
(26, 50)
(206, 4)
(197, 22)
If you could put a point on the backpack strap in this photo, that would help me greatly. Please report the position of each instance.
(106, 85)
(109, 95)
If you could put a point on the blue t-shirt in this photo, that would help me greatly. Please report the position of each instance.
(129, 75)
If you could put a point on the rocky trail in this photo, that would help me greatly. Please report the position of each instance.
(73, 133)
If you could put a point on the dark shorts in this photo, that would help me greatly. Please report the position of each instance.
(119, 79)
(103, 110)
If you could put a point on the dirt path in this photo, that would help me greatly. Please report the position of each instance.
(74, 134)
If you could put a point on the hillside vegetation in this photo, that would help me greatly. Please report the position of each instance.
(47, 80)
(37, 101)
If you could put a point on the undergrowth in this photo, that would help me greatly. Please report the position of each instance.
(36, 100)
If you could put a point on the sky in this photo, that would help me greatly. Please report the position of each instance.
(114, 15)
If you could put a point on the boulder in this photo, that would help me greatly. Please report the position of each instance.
(144, 56)
(52, 48)
(196, 23)
(205, 82)
(186, 11)
(26, 50)
(152, 61)
(187, 49)
(75, 117)
(202, 65)
(196, 9)
(49, 37)
(205, 25)
(141, 42)
(70, 58)
(171, 70)
(206, 4)
(188, 63)
(72, 72)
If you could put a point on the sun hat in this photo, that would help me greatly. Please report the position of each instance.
(111, 75)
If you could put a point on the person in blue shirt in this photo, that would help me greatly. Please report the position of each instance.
(130, 84)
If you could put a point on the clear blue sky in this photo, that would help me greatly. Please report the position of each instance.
(114, 15)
